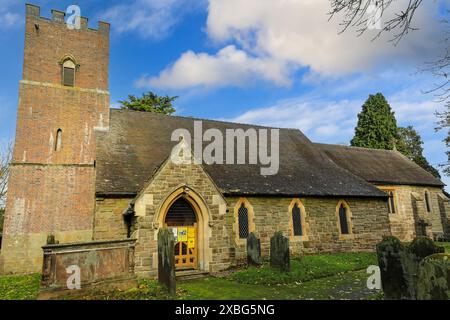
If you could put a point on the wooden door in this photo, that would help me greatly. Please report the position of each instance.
(185, 247)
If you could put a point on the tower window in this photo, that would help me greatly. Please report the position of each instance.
(68, 73)
(58, 142)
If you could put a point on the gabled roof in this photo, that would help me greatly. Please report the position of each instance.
(139, 142)
(379, 166)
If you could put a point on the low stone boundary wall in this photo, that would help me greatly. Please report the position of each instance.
(77, 266)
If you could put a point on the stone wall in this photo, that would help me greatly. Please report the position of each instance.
(411, 207)
(109, 222)
(191, 182)
(222, 247)
(369, 219)
(97, 262)
(444, 207)
(45, 200)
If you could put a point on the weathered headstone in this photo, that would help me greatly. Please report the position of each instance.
(253, 250)
(390, 252)
(279, 252)
(166, 260)
(423, 247)
(420, 248)
(434, 278)
(399, 265)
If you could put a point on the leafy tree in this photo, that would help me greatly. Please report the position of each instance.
(410, 144)
(377, 127)
(149, 102)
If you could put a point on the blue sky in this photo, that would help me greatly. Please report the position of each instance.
(279, 63)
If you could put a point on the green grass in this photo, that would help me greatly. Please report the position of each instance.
(307, 268)
(350, 285)
(446, 245)
(334, 276)
(147, 290)
(19, 287)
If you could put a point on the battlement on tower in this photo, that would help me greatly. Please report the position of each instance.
(58, 17)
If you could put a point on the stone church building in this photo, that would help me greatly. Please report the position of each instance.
(84, 172)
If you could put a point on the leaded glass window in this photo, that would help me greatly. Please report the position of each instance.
(243, 222)
(343, 219)
(297, 220)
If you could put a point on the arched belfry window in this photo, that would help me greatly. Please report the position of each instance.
(58, 142)
(69, 68)
(69, 73)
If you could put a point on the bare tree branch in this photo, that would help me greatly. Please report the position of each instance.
(359, 13)
(5, 160)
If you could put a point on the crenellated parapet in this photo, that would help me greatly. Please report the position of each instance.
(59, 17)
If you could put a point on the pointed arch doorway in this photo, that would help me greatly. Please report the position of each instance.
(174, 213)
(181, 218)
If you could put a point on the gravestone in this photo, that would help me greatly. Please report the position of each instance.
(253, 250)
(279, 252)
(166, 260)
(434, 278)
(399, 265)
(390, 254)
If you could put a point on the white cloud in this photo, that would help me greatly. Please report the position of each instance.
(299, 31)
(153, 19)
(229, 66)
(329, 120)
(292, 34)
(320, 119)
(9, 17)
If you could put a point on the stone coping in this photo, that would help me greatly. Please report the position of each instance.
(89, 245)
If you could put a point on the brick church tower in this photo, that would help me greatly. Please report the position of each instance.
(63, 101)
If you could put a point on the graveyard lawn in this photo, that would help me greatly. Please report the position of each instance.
(19, 287)
(333, 276)
(306, 268)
